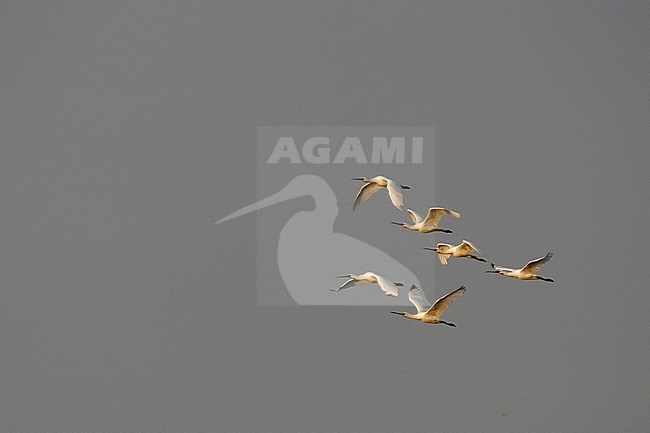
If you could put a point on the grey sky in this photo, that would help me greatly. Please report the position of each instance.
(128, 128)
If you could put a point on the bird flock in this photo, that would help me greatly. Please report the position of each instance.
(426, 312)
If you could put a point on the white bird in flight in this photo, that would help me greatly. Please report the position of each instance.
(431, 314)
(464, 249)
(388, 287)
(525, 273)
(376, 183)
(430, 223)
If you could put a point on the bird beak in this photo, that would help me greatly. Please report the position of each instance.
(357, 178)
(292, 190)
(398, 313)
(491, 272)
(430, 249)
(343, 276)
(395, 222)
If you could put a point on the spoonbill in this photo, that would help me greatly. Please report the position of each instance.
(464, 249)
(307, 251)
(430, 223)
(376, 183)
(388, 287)
(525, 273)
(431, 314)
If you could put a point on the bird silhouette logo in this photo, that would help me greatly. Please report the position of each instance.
(294, 162)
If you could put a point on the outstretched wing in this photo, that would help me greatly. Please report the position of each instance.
(418, 299)
(534, 265)
(349, 283)
(441, 305)
(365, 193)
(414, 216)
(388, 287)
(435, 215)
(395, 193)
(501, 268)
(442, 256)
(466, 248)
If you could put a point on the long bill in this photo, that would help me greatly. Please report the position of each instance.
(287, 193)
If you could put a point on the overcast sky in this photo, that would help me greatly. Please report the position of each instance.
(129, 128)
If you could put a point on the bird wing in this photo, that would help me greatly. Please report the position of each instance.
(534, 265)
(442, 256)
(388, 287)
(467, 248)
(501, 268)
(417, 298)
(414, 216)
(395, 193)
(349, 283)
(441, 305)
(365, 193)
(435, 215)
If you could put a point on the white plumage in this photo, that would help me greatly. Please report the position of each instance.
(430, 222)
(388, 287)
(431, 314)
(464, 249)
(376, 183)
(525, 273)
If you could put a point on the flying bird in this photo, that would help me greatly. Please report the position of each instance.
(376, 183)
(430, 223)
(431, 314)
(388, 287)
(525, 273)
(465, 249)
